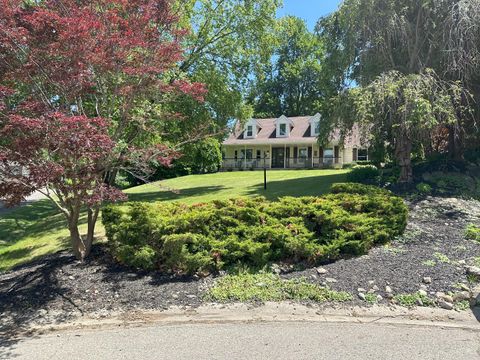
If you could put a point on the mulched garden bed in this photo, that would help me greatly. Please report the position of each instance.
(58, 288)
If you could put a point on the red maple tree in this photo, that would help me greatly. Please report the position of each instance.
(82, 88)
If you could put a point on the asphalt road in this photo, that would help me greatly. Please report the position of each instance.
(274, 340)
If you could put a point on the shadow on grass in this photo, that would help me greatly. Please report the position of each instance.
(32, 219)
(165, 194)
(304, 186)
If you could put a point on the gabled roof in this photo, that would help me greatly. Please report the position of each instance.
(299, 134)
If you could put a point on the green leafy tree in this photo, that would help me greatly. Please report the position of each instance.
(225, 46)
(367, 38)
(398, 111)
(291, 83)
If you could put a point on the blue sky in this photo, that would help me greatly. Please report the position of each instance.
(309, 10)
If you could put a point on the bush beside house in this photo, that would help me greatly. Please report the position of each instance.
(211, 236)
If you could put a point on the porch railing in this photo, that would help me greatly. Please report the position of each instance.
(281, 163)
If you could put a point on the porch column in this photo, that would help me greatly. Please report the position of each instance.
(270, 155)
(245, 156)
(285, 156)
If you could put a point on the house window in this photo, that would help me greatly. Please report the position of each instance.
(315, 153)
(316, 128)
(303, 152)
(283, 130)
(236, 154)
(259, 154)
(362, 155)
(249, 154)
(249, 131)
(328, 153)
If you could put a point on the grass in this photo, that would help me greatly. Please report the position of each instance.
(38, 229)
(270, 287)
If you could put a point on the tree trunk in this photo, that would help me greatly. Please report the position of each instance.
(403, 154)
(82, 246)
(455, 143)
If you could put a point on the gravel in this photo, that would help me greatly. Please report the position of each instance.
(58, 288)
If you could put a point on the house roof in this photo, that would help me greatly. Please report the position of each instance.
(300, 133)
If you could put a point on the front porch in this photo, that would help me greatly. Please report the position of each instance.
(285, 163)
(282, 157)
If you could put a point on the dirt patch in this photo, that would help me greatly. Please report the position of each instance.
(57, 288)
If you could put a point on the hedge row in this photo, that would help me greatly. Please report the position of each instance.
(210, 236)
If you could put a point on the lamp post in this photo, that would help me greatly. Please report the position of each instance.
(264, 171)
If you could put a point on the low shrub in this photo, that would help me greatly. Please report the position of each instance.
(270, 287)
(363, 174)
(252, 232)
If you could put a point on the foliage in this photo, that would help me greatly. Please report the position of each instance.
(399, 111)
(416, 299)
(363, 174)
(472, 232)
(367, 39)
(210, 236)
(225, 43)
(453, 183)
(82, 89)
(424, 188)
(202, 157)
(269, 287)
(291, 83)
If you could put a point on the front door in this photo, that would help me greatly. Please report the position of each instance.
(278, 158)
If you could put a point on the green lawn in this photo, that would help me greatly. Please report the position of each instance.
(38, 229)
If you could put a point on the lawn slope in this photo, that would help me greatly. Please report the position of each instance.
(38, 229)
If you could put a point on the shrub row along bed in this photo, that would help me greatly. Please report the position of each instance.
(211, 236)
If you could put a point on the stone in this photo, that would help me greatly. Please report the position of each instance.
(330, 280)
(276, 269)
(371, 282)
(419, 302)
(461, 262)
(361, 296)
(445, 305)
(464, 287)
(423, 287)
(389, 296)
(321, 270)
(422, 292)
(375, 288)
(313, 277)
(473, 270)
(388, 289)
(379, 297)
(462, 295)
(71, 277)
(361, 290)
(427, 280)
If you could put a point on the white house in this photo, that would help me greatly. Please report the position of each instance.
(288, 143)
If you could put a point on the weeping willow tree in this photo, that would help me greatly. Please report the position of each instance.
(366, 39)
(399, 111)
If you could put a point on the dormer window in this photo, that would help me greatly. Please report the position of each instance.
(315, 125)
(283, 126)
(251, 129)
